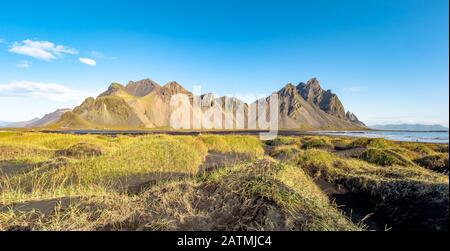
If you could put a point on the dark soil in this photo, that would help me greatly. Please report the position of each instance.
(44, 207)
(139, 183)
(10, 168)
(357, 207)
(215, 160)
(81, 150)
(348, 152)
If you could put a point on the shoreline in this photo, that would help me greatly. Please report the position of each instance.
(350, 134)
(282, 132)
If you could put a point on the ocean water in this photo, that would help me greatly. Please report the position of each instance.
(409, 136)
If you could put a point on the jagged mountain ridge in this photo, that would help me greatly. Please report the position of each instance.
(146, 104)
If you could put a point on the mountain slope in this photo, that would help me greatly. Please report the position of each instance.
(308, 106)
(146, 104)
(46, 120)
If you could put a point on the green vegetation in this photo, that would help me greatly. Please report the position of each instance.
(385, 157)
(247, 145)
(284, 140)
(263, 195)
(437, 162)
(284, 151)
(392, 188)
(316, 142)
(154, 182)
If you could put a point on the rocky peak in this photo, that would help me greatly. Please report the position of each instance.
(141, 88)
(288, 90)
(112, 89)
(289, 101)
(313, 83)
(311, 90)
(172, 88)
(352, 118)
(327, 101)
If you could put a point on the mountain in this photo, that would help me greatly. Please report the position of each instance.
(47, 120)
(146, 104)
(22, 124)
(409, 127)
(4, 123)
(308, 106)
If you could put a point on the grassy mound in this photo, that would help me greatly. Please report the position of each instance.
(81, 150)
(284, 151)
(152, 157)
(435, 162)
(247, 145)
(408, 197)
(371, 142)
(263, 195)
(385, 157)
(283, 140)
(316, 142)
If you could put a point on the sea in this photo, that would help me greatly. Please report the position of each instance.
(408, 136)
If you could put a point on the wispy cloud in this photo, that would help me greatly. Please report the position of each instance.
(88, 61)
(23, 64)
(354, 89)
(97, 54)
(38, 90)
(43, 50)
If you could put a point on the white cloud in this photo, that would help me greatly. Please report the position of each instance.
(88, 61)
(37, 90)
(43, 50)
(23, 64)
(354, 89)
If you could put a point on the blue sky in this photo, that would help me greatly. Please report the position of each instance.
(387, 60)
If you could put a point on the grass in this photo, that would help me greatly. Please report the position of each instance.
(316, 142)
(286, 151)
(88, 178)
(385, 157)
(146, 155)
(438, 162)
(284, 140)
(248, 145)
(260, 195)
(390, 187)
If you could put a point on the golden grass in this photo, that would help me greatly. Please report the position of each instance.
(260, 195)
(96, 172)
(249, 145)
(145, 155)
(392, 182)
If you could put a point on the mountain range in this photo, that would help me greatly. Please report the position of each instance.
(410, 127)
(146, 104)
(46, 120)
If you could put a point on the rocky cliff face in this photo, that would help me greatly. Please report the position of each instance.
(146, 104)
(141, 88)
(325, 100)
